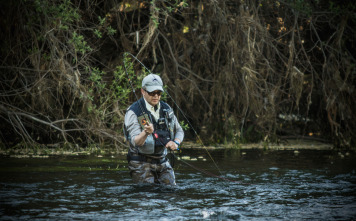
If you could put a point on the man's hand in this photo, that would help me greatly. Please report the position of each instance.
(149, 129)
(141, 138)
(171, 145)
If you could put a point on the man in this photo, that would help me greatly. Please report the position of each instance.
(151, 129)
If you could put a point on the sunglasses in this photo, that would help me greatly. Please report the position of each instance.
(153, 93)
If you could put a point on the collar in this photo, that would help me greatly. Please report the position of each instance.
(151, 109)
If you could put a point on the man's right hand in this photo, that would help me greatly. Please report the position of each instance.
(149, 129)
(141, 138)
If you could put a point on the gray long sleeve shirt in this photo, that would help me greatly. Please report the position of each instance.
(134, 128)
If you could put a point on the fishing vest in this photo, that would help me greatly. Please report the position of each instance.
(163, 128)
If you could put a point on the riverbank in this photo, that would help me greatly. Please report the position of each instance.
(46, 151)
(292, 144)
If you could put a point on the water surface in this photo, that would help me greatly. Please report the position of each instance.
(285, 185)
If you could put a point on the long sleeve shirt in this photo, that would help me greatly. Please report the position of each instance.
(134, 128)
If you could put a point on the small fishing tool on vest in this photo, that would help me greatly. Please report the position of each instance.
(200, 140)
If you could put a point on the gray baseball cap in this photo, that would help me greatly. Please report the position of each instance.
(152, 82)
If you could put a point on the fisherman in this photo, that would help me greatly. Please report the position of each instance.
(151, 129)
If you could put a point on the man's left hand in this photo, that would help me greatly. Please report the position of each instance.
(171, 145)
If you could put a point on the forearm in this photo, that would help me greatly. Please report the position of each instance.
(138, 136)
(140, 139)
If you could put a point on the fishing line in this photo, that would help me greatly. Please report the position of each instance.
(181, 111)
(209, 173)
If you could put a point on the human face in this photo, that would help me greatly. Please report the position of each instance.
(153, 100)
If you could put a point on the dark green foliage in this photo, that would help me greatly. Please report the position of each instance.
(239, 69)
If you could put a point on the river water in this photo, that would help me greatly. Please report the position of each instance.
(268, 185)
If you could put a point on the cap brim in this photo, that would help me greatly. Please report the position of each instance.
(154, 88)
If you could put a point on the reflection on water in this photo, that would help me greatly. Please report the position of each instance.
(277, 185)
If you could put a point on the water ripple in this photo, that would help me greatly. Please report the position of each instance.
(276, 189)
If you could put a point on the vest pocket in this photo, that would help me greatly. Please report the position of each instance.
(163, 137)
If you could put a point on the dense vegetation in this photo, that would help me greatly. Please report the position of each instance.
(240, 70)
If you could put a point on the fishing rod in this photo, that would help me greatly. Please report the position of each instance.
(200, 140)
(133, 90)
(139, 103)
